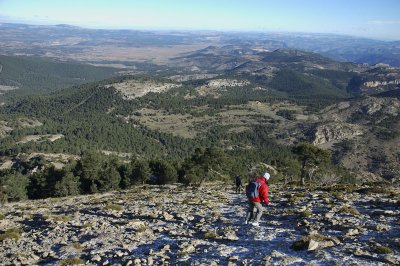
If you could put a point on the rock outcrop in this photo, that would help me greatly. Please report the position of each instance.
(177, 225)
(334, 131)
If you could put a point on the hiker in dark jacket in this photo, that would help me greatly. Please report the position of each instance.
(238, 182)
(261, 186)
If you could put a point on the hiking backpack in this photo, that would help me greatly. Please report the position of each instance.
(252, 189)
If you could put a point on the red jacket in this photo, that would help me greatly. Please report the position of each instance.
(262, 191)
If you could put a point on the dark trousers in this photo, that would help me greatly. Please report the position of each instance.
(238, 188)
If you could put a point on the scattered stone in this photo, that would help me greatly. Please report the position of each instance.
(362, 253)
(204, 232)
(230, 235)
(312, 245)
(136, 224)
(391, 260)
(352, 232)
(234, 258)
(382, 227)
(168, 217)
(314, 241)
(96, 258)
(329, 215)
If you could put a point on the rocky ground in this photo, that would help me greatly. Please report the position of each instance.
(153, 225)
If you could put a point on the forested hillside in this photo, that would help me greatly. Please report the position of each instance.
(29, 74)
(299, 115)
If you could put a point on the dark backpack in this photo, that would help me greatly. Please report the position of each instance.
(252, 189)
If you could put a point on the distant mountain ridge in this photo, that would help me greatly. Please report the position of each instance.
(65, 40)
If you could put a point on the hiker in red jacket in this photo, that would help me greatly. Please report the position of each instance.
(257, 193)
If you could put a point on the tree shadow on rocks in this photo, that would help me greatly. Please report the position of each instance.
(37, 222)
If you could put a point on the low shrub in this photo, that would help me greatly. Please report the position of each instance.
(114, 207)
(87, 225)
(77, 246)
(71, 261)
(383, 250)
(209, 235)
(306, 213)
(141, 229)
(349, 210)
(61, 218)
(14, 233)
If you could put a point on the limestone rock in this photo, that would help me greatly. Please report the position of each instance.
(167, 216)
(230, 235)
(312, 245)
(334, 131)
(382, 227)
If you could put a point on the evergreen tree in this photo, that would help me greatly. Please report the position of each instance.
(312, 158)
(37, 185)
(109, 178)
(69, 185)
(88, 169)
(14, 186)
(209, 164)
(164, 172)
(140, 172)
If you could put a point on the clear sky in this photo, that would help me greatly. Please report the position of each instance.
(368, 18)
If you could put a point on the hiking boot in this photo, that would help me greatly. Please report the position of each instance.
(255, 224)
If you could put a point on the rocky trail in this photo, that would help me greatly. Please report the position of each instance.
(157, 225)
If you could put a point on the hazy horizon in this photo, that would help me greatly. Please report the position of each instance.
(368, 19)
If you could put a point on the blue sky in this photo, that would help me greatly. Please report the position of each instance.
(375, 19)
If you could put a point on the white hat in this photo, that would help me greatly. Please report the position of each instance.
(267, 175)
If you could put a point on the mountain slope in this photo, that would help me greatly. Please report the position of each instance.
(180, 226)
(41, 74)
(241, 99)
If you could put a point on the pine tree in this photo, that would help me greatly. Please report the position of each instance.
(69, 185)
(88, 168)
(140, 172)
(312, 158)
(164, 172)
(14, 186)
